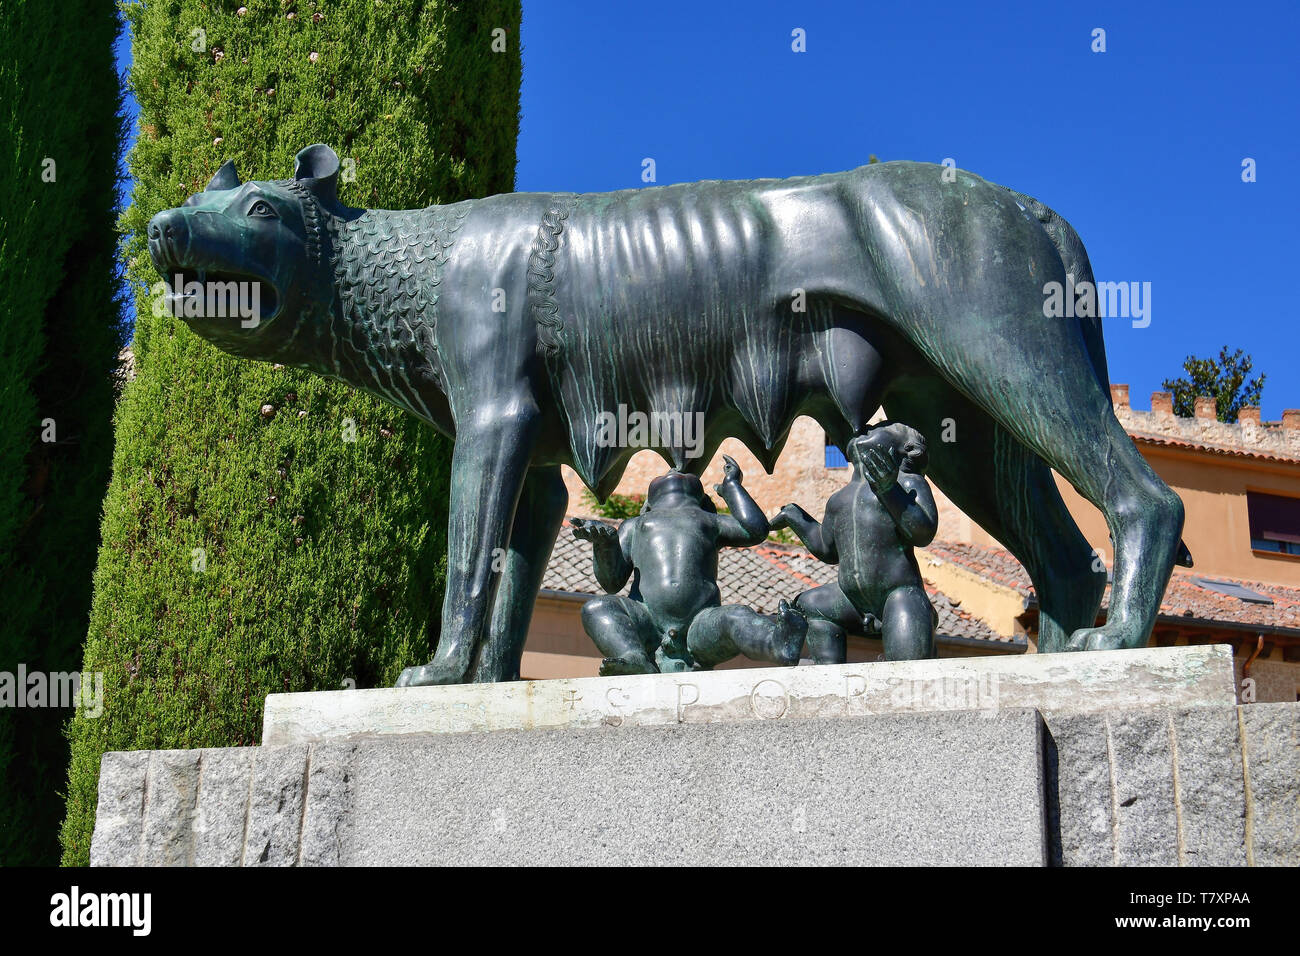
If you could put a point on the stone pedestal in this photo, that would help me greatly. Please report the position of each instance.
(1075, 683)
(1130, 757)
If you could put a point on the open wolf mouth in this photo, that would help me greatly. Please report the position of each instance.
(213, 294)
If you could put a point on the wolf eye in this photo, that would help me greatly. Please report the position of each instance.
(261, 208)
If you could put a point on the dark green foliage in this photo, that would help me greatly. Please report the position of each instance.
(616, 507)
(324, 558)
(784, 536)
(60, 333)
(1223, 379)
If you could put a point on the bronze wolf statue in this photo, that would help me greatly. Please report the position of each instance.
(512, 323)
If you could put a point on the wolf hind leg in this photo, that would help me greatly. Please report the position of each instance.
(1011, 493)
(1034, 377)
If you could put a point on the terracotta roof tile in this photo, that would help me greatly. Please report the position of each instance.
(1185, 598)
(1213, 448)
(995, 564)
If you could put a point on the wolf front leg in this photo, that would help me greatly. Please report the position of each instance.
(537, 522)
(488, 468)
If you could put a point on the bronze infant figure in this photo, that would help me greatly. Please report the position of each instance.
(674, 620)
(870, 529)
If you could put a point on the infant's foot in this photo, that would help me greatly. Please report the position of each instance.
(674, 665)
(791, 629)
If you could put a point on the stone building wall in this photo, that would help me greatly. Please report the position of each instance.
(800, 475)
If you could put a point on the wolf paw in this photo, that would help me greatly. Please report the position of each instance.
(429, 674)
(1099, 639)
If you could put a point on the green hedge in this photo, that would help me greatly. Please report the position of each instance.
(60, 333)
(324, 559)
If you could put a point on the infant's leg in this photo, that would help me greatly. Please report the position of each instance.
(831, 617)
(709, 638)
(719, 634)
(777, 639)
(909, 622)
(621, 628)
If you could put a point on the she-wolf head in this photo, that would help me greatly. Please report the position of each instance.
(245, 263)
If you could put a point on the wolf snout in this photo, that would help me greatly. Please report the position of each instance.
(168, 239)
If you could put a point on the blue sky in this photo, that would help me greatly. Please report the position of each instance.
(1139, 147)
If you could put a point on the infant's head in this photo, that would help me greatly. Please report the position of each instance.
(905, 442)
(675, 484)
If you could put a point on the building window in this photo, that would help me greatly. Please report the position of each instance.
(1274, 522)
(834, 457)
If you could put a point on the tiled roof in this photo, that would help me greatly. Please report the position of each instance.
(1247, 437)
(1184, 599)
(1236, 451)
(1187, 599)
(994, 564)
(760, 577)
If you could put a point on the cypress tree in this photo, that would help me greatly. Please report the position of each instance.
(60, 334)
(267, 530)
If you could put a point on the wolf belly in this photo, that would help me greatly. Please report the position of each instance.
(684, 305)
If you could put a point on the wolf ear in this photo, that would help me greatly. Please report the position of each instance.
(225, 178)
(318, 166)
